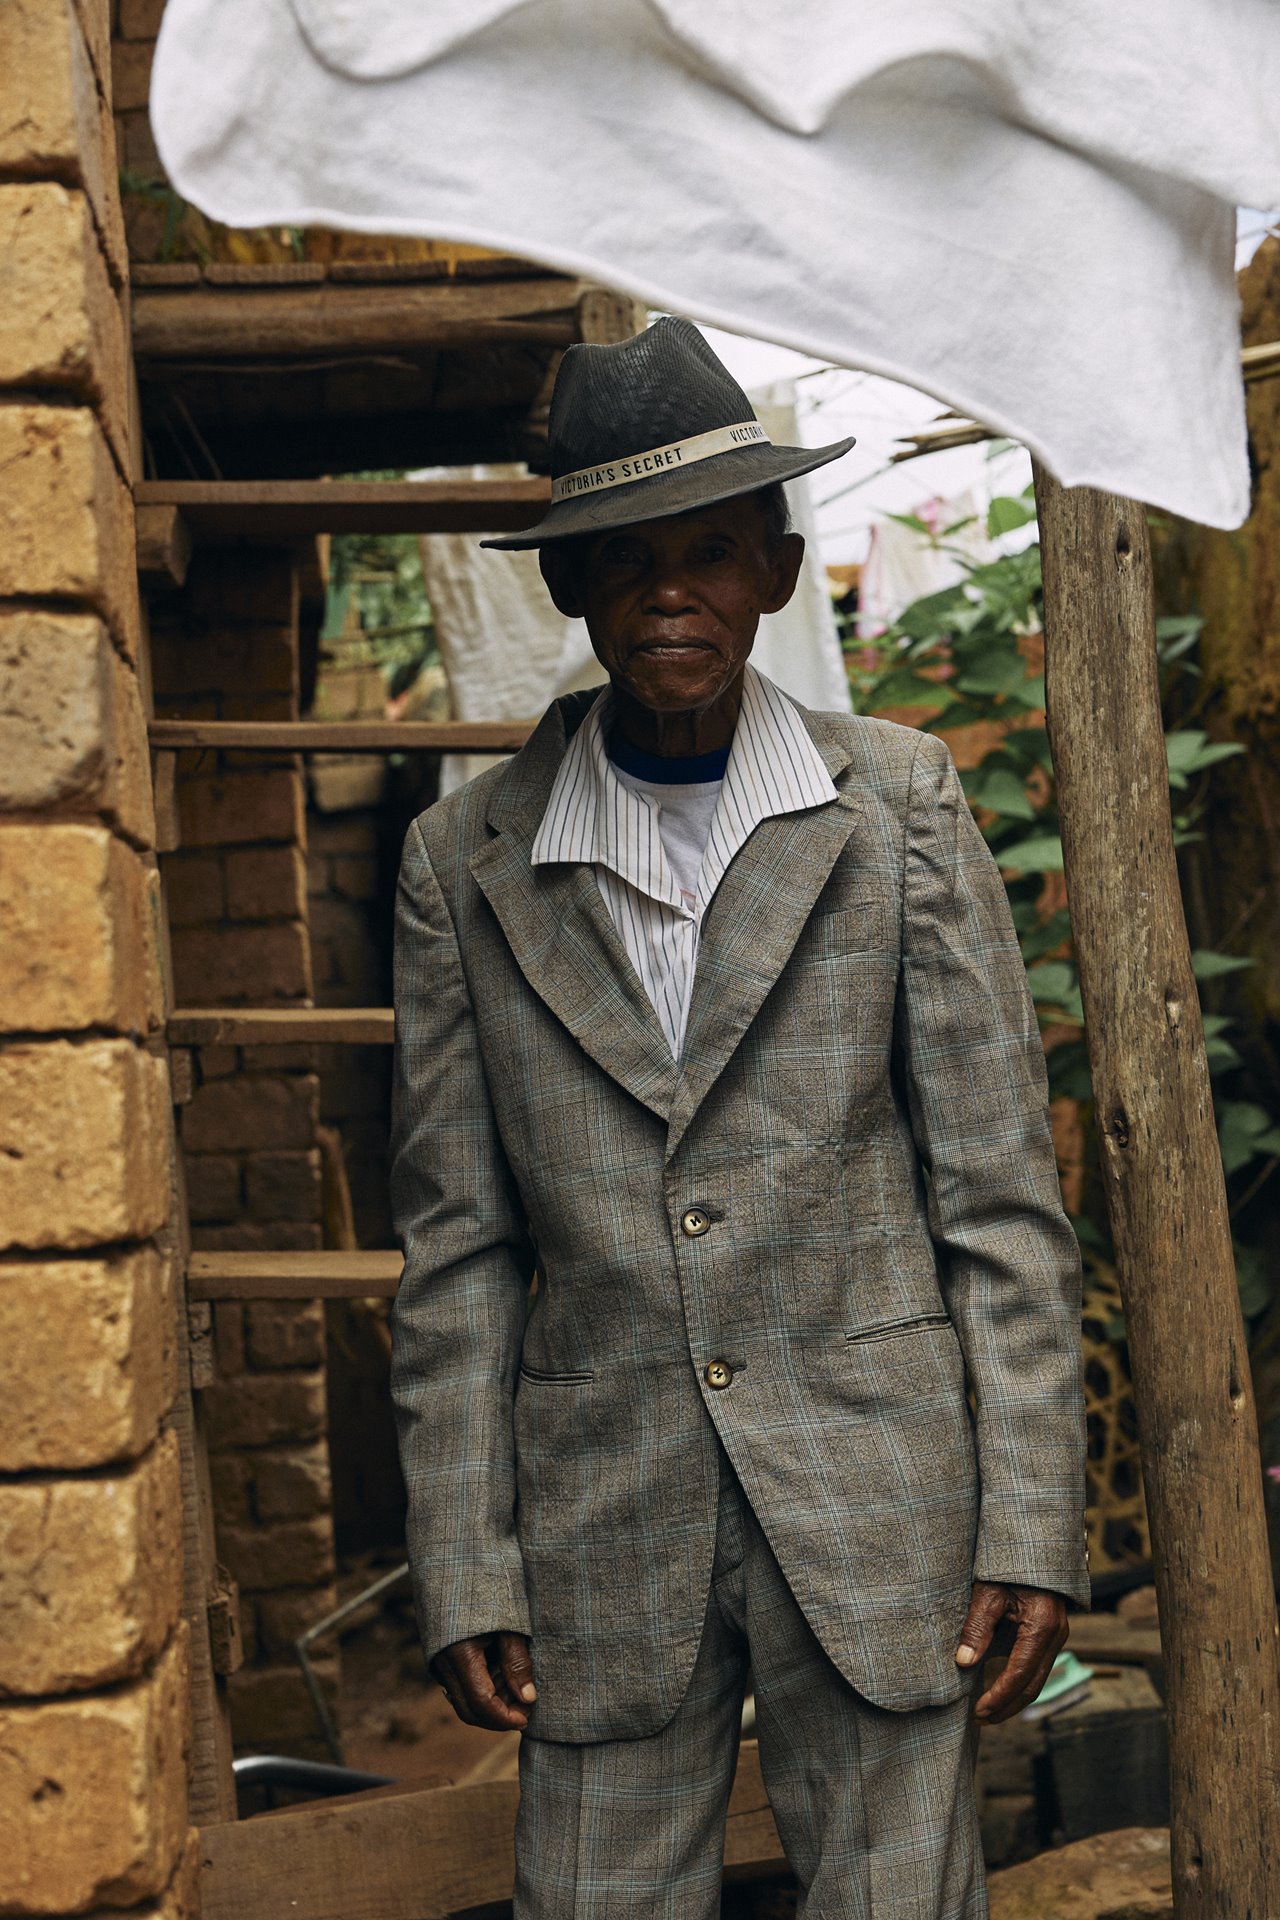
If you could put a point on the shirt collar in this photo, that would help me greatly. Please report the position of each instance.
(774, 768)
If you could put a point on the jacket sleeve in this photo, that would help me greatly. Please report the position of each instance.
(977, 1091)
(457, 1321)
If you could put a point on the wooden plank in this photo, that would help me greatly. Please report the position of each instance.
(281, 510)
(163, 541)
(364, 1273)
(281, 1026)
(336, 318)
(420, 1854)
(1103, 1638)
(343, 736)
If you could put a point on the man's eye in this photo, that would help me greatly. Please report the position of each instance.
(619, 555)
(715, 551)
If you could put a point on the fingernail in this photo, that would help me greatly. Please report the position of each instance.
(965, 1656)
(528, 1691)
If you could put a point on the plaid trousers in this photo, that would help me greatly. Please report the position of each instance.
(875, 1809)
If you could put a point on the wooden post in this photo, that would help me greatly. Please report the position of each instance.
(1167, 1204)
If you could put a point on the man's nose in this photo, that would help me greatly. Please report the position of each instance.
(669, 591)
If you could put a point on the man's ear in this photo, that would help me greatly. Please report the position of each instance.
(558, 572)
(784, 571)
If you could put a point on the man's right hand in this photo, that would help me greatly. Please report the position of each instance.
(486, 1680)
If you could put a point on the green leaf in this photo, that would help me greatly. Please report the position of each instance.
(1208, 965)
(1190, 751)
(1043, 939)
(1244, 1132)
(1030, 745)
(905, 688)
(1254, 1280)
(1001, 672)
(916, 524)
(1003, 792)
(1005, 513)
(1042, 853)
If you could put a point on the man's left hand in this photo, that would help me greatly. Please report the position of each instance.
(1028, 1624)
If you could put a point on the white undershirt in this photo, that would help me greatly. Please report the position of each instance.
(685, 813)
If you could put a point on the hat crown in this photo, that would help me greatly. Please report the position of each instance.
(663, 385)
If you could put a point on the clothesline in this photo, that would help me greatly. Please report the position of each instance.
(1256, 363)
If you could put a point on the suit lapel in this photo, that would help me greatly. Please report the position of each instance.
(560, 932)
(751, 927)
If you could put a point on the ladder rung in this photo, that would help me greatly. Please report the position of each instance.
(272, 510)
(281, 1026)
(345, 736)
(331, 1275)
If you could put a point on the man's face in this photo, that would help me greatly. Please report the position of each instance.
(672, 605)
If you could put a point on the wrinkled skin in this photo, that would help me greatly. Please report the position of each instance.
(672, 607)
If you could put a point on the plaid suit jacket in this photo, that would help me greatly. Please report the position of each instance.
(860, 1110)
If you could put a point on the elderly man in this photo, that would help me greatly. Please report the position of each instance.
(711, 1016)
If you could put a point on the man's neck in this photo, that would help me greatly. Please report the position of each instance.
(681, 735)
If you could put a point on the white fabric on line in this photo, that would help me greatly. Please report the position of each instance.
(508, 653)
(591, 814)
(1021, 206)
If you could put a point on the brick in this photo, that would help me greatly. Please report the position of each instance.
(140, 19)
(180, 1899)
(72, 731)
(272, 1711)
(64, 325)
(84, 1144)
(139, 153)
(356, 876)
(79, 945)
(295, 1485)
(194, 888)
(265, 1409)
(247, 1236)
(285, 1333)
(90, 1575)
(319, 879)
(87, 1359)
(130, 74)
(267, 883)
(66, 519)
(285, 1615)
(288, 1553)
(250, 1638)
(228, 1338)
(346, 782)
(260, 585)
(217, 1062)
(231, 1483)
(252, 1111)
(213, 1186)
(93, 1792)
(54, 123)
(226, 964)
(234, 808)
(283, 1186)
(344, 833)
(210, 657)
(286, 1057)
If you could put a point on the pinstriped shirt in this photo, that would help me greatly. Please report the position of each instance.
(773, 768)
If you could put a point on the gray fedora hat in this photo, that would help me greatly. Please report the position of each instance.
(653, 426)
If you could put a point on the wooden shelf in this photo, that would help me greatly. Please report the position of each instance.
(293, 1276)
(267, 511)
(281, 1026)
(343, 736)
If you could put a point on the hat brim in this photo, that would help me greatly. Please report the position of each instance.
(742, 470)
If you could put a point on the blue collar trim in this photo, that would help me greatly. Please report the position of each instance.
(667, 770)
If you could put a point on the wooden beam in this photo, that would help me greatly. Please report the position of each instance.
(283, 510)
(283, 321)
(344, 736)
(365, 1273)
(164, 548)
(420, 1854)
(1167, 1203)
(281, 1026)
(1102, 1638)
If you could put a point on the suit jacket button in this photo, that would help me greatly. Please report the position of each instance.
(694, 1222)
(718, 1374)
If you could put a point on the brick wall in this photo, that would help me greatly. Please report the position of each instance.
(226, 647)
(94, 1691)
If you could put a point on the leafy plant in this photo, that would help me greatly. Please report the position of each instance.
(970, 656)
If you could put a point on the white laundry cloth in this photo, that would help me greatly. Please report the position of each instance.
(1021, 206)
(903, 564)
(508, 653)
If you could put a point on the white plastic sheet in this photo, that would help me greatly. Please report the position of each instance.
(1021, 206)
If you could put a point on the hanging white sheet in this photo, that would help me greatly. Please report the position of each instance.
(1021, 206)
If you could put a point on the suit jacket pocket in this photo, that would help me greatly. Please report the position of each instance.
(890, 1329)
(539, 1378)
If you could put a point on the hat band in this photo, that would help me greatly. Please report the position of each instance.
(639, 466)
